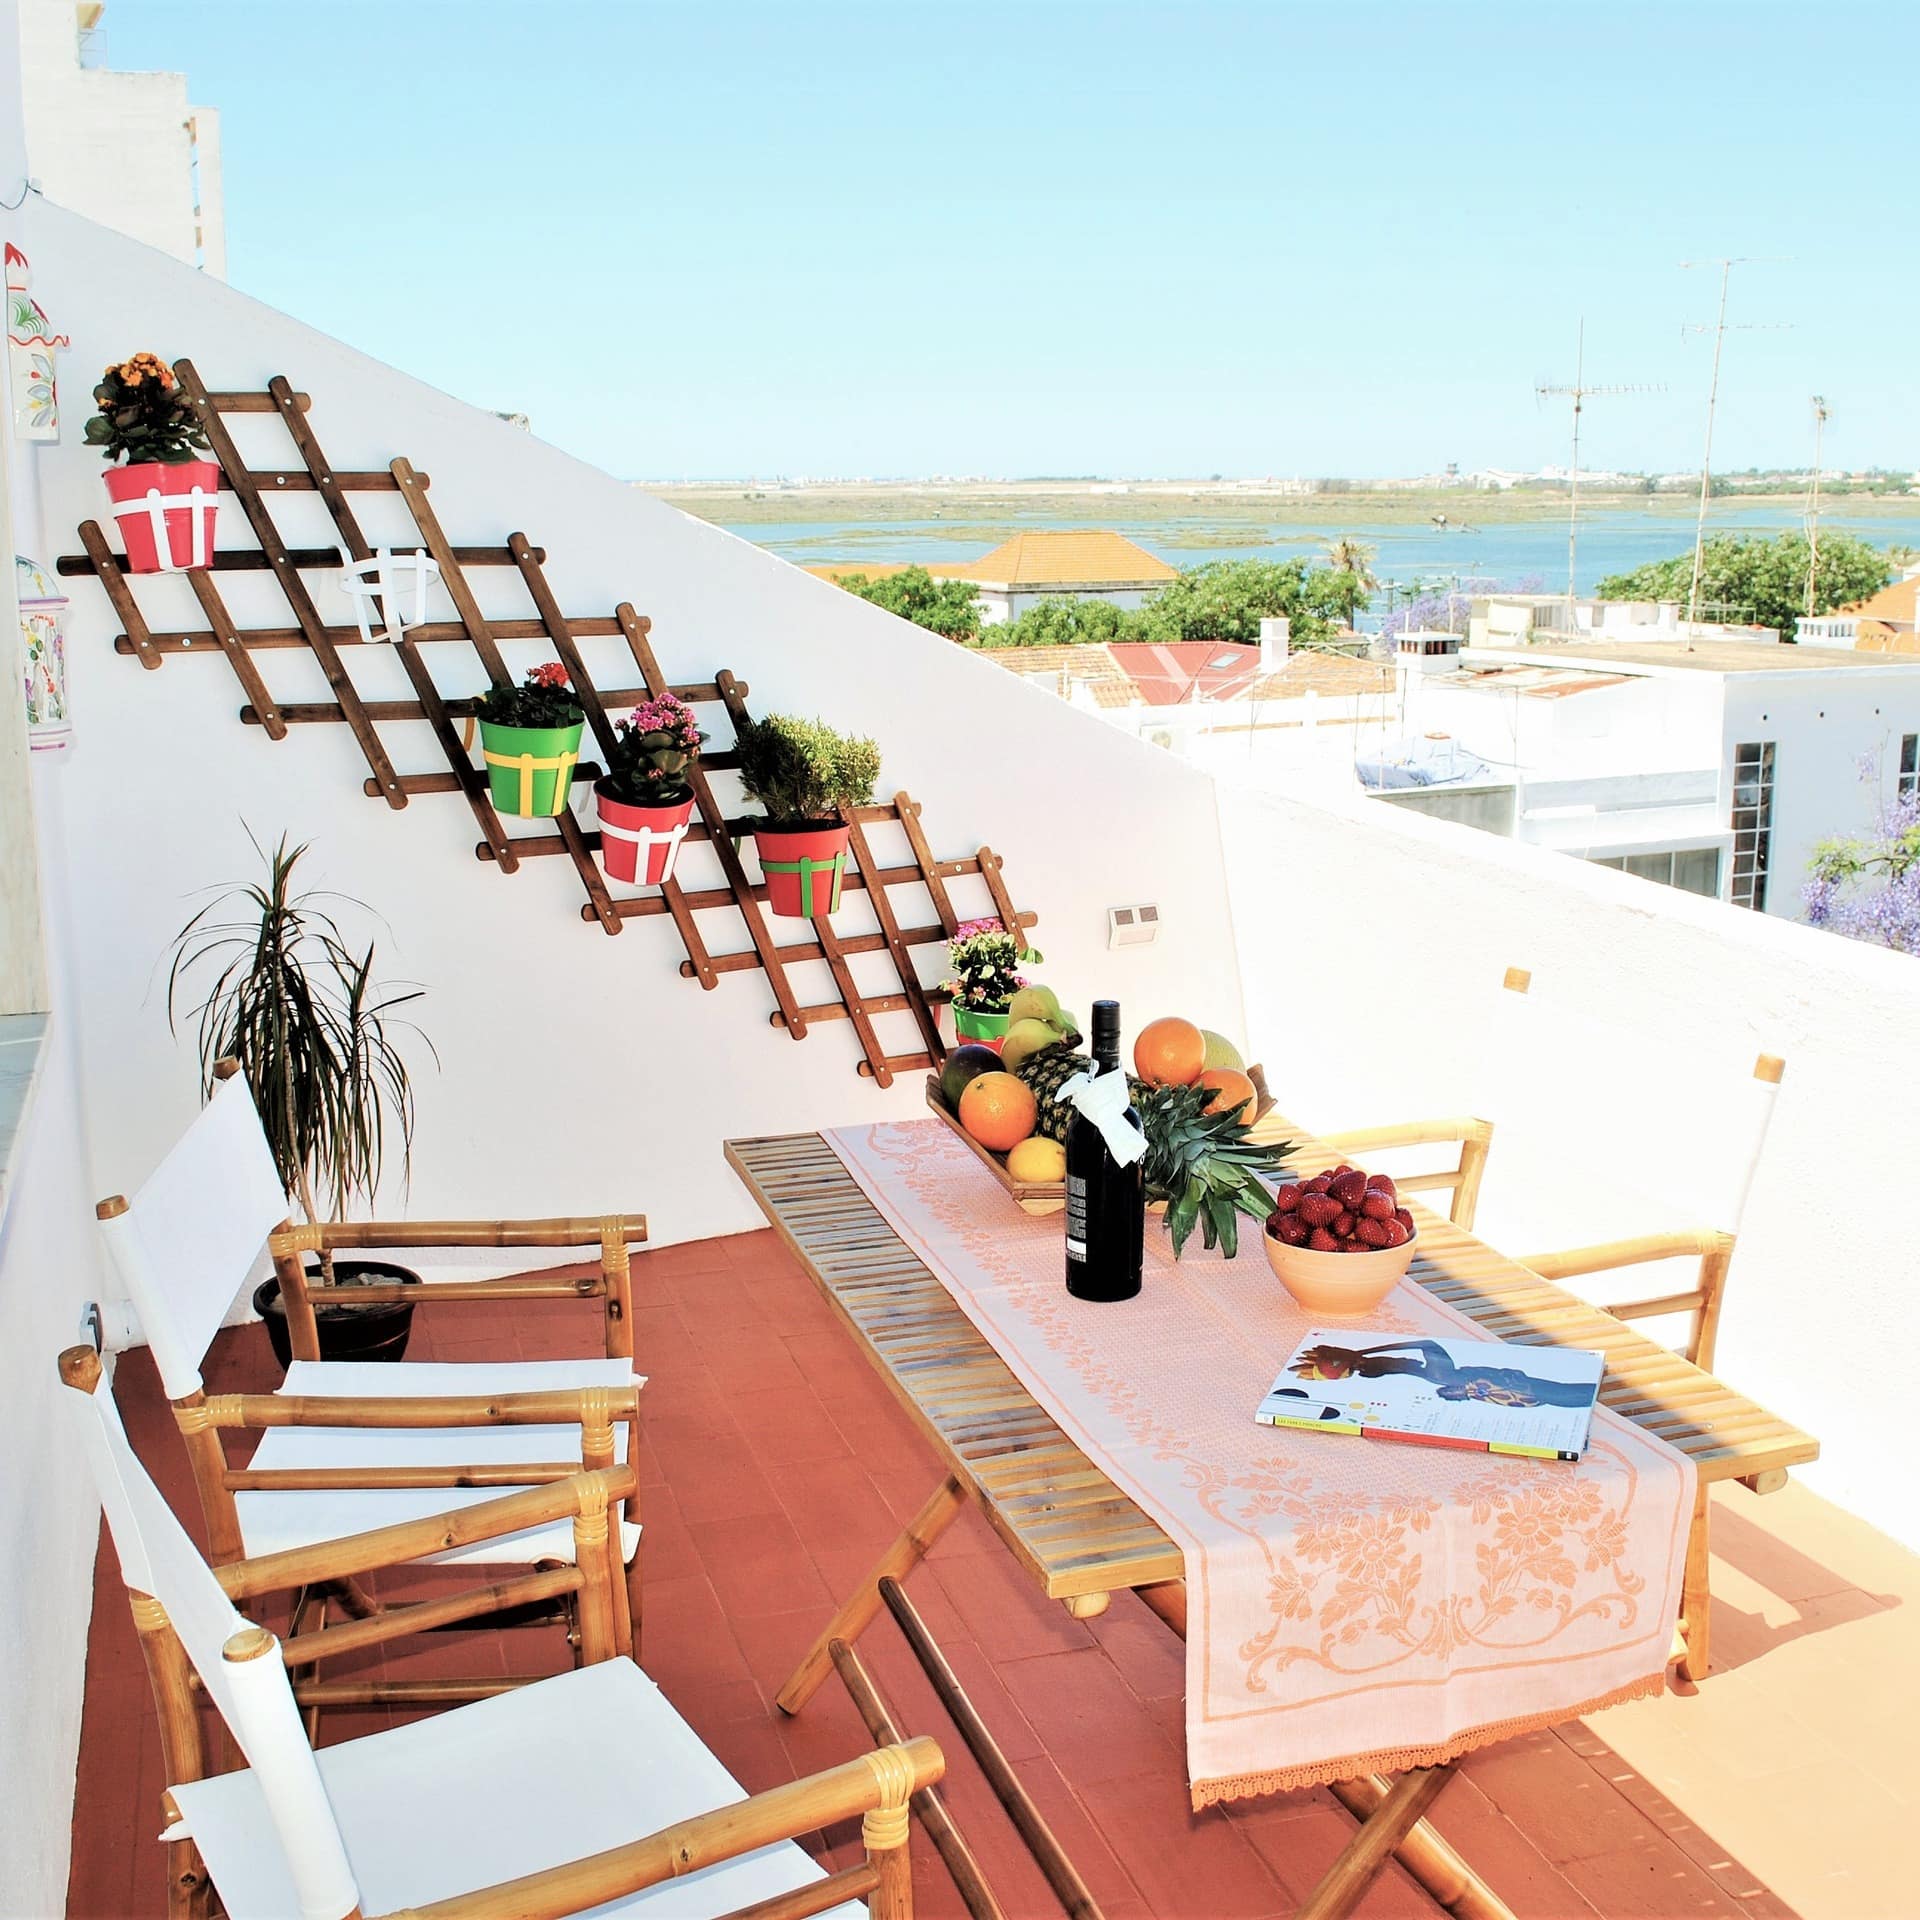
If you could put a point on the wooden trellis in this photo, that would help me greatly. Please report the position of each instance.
(450, 720)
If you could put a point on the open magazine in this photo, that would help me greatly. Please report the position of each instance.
(1536, 1401)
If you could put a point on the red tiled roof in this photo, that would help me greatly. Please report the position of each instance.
(1170, 672)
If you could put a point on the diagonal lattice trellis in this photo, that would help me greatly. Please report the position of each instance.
(450, 720)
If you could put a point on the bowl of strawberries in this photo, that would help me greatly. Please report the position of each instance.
(1339, 1242)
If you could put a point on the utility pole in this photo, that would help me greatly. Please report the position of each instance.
(1820, 413)
(1580, 393)
(1719, 331)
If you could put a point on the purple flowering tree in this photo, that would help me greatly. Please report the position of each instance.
(1442, 607)
(1867, 886)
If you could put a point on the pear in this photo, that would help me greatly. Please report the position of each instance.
(1033, 1003)
(1221, 1052)
(1024, 1039)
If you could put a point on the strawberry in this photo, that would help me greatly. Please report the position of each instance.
(1319, 1209)
(1377, 1205)
(1320, 1183)
(1286, 1199)
(1292, 1230)
(1397, 1235)
(1349, 1188)
(1323, 1242)
(1343, 1224)
(1372, 1232)
(1405, 1219)
(1384, 1182)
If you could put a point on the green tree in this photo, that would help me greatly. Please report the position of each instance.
(947, 607)
(1227, 600)
(1352, 587)
(1760, 577)
(1064, 622)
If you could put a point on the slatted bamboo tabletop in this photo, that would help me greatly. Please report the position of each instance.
(1073, 1529)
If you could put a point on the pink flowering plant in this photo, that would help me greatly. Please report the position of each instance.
(543, 699)
(986, 960)
(654, 753)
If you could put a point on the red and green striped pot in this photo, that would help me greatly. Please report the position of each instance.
(803, 866)
(530, 769)
(980, 1029)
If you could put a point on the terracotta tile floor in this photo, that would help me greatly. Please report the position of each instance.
(776, 1467)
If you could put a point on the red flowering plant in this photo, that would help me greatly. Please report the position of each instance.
(653, 753)
(985, 959)
(543, 699)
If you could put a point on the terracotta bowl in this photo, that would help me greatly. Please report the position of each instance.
(1338, 1285)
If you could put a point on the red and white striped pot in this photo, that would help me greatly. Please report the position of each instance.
(640, 844)
(165, 511)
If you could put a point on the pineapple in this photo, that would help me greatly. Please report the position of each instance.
(1201, 1164)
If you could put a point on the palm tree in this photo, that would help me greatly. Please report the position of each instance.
(1354, 558)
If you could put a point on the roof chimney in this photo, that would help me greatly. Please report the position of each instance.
(1275, 634)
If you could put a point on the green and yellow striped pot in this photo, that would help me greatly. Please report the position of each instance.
(530, 769)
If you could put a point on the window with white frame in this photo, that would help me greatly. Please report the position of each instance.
(1753, 781)
(1909, 765)
(1691, 869)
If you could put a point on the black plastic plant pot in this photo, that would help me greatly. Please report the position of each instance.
(377, 1331)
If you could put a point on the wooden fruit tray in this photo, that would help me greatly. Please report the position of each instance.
(1048, 1196)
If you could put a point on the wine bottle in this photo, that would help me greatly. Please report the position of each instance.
(1106, 1191)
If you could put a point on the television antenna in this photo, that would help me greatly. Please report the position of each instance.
(1719, 330)
(1821, 414)
(1580, 393)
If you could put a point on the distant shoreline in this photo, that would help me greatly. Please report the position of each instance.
(972, 506)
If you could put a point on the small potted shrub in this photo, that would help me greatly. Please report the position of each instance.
(645, 798)
(986, 961)
(530, 740)
(315, 1036)
(801, 773)
(165, 497)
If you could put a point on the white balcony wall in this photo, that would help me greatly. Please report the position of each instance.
(1373, 942)
(578, 1072)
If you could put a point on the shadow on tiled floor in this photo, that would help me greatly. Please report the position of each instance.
(776, 1466)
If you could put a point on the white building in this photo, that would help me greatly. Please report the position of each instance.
(129, 150)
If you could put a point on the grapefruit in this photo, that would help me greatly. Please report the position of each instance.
(964, 1066)
(999, 1110)
(1221, 1052)
(1233, 1089)
(1170, 1053)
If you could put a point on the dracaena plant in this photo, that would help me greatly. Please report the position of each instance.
(144, 415)
(314, 1033)
(653, 753)
(543, 699)
(802, 771)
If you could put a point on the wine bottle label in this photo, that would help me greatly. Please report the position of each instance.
(1076, 1217)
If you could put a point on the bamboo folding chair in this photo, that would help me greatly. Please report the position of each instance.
(1565, 1090)
(582, 1791)
(347, 1447)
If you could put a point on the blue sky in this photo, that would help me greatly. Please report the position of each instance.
(815, 237)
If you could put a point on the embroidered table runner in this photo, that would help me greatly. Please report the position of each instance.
(1352, 1606)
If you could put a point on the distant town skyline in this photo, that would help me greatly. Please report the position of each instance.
(1070, 238)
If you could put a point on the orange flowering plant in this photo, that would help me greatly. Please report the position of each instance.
(144, 415)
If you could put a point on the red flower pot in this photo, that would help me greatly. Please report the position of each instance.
(803, 866)
(640, 843)
(165, 511)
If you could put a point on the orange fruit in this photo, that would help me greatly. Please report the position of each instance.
(999, 1110)
(1234, 1090)
(1170, 1053)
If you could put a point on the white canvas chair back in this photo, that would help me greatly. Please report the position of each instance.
(253, 1695)
(1605, 1128)
(190, 1237)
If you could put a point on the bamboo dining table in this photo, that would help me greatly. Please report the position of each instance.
(1082, 1539)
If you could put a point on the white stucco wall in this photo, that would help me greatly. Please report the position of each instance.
(579, 1072)
(1388, 1017)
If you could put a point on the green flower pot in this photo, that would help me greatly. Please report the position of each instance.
(530, 769)
(982, 1029)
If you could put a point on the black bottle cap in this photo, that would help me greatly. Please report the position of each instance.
(1106, 1026)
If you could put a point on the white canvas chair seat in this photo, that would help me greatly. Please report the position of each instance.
(495, 1790)
(271, 1521)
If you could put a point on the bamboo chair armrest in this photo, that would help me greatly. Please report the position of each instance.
(555, 1407)
(886, 1778)
(1408, 1133)
(581, 1493)
(572, 1230)
(1571, 1262)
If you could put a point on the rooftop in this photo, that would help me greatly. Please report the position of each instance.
(1077, 558)
(1705, 656)
(775, 1466)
